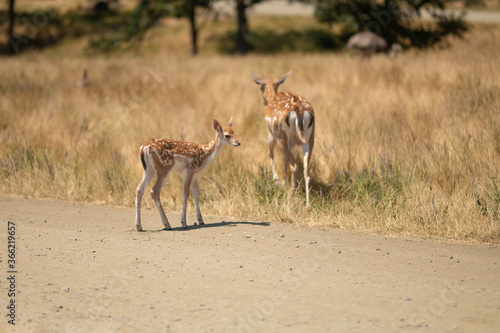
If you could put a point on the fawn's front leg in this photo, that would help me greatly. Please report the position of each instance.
(186, 184)
(196, 195)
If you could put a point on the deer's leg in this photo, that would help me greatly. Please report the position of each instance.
(285, 168)
(161, 177)
(146, 178)
(283, 148)
(306, 154)
(287, 159)
(196, 194)
(272, 144)
(307, 158)
(293, 164)
(188, 177)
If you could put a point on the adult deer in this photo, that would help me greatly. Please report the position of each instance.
(160, 156)
(290, 122)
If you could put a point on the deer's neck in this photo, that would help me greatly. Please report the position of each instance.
(213, 147)
(269, 93)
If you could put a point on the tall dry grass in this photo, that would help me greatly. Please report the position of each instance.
(410, 146)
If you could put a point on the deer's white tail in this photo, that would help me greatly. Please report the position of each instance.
(304, 121)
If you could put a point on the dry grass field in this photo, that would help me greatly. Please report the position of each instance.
(410, 146)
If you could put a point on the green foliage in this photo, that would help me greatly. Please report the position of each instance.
(292, 40)
(115, 174)
(385, 188)
(474, 3)
(488, 200)
(393, 19)
(35, 28)
(47, 26)
(104, 44)
(145, 16)
(266, 188)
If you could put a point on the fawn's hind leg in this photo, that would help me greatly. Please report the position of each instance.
(146, 178)
(155, 194)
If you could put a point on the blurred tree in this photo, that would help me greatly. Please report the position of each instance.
(148, 12)
(242, 45)
(10, 32)
(394, 20)
(187, 8)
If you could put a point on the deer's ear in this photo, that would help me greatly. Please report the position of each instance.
(282, 78)
(230, 122)
(217, 126)
(257, 79)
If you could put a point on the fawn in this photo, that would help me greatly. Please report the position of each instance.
(290, 122)
(160, 156)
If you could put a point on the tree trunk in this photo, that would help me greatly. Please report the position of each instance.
(10, 33)
(194, 32)
(241, 42)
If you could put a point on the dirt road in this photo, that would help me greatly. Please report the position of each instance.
(82, 268)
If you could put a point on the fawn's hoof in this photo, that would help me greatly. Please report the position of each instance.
(138, 227)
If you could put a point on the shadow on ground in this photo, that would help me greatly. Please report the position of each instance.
(212, 225)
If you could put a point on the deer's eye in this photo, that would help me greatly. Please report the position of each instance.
(227, 136)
